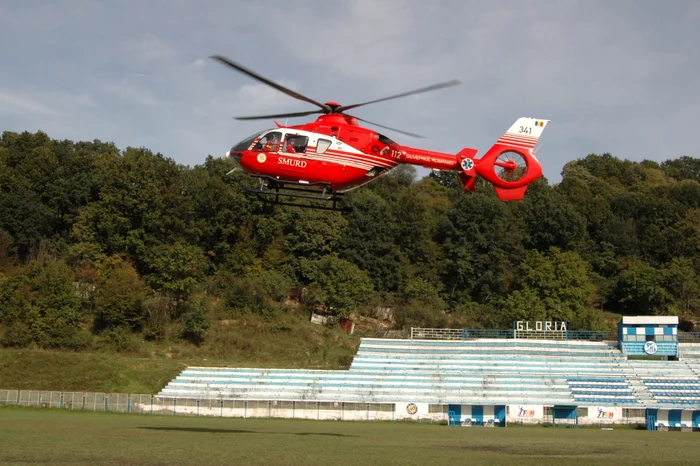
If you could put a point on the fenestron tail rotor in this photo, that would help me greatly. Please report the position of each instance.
(510, 166)
(325, 108)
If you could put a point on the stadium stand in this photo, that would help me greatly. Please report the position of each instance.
(465, 372)
(489, 373)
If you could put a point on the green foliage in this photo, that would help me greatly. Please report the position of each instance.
(194, 325)
(551, 286)
(258, 292)
(175, 268)
(368, 240)
(640, 289)
(683, 168)
(343, 284)
(119, 301)
(16, 334)
(482, 239)
(41, 299)
(102, 248)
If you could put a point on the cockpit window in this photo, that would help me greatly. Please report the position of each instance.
(245, 144)
(270, 142)
(295, 143)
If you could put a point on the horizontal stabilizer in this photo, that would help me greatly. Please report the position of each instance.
(510, 194)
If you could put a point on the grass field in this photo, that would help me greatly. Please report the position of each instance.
(253, 342)
(43, 436)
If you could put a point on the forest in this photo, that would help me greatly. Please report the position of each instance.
(99, 244)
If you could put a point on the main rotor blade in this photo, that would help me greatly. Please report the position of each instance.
(387, 127)
(278, 115)
(264, 80)
(454, 82)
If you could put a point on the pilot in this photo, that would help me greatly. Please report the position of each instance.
(272, 143)
(290, 145)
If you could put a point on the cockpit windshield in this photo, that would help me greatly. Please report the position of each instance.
(245, 143)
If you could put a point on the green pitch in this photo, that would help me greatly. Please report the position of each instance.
(56, 437)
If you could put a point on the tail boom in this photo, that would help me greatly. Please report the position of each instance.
(428, 158)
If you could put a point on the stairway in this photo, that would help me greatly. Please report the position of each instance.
(641, 392)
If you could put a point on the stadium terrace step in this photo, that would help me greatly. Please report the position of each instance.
(461, 372)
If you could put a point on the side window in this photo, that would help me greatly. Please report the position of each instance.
(322, 146)
(295, 143)
(270, 142)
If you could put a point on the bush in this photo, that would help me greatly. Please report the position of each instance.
(119, 301)
(159, 310)
(118, 339)
(258, 293)
(15, 335)
(194, 326)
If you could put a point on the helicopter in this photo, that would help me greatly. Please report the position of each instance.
(326, 158)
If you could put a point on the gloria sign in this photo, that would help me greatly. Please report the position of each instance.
(540, 326)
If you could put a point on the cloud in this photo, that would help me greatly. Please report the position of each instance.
(148, 48)
(133, 88)
(16, 104)
(262, 96)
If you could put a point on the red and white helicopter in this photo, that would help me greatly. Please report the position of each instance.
(334, 154)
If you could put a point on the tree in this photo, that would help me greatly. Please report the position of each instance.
(175, 268)
(41, 298)
(683, 283)
(683, 168)
(313, 234)
(552, 221)
(194, 325)
(640, 289)
(551, 286)
(368, 240)
(482, 240)
(215, 209)
(120, 297)
(344, 285)
(6, 249)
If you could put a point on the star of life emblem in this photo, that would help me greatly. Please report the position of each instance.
(467, 164)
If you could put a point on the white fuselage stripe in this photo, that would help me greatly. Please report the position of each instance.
(342, 158)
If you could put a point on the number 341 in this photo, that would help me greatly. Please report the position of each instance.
(525, 129)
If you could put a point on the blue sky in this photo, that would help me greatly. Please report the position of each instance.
(613, 76)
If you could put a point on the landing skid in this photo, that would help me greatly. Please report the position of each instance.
(273, 188)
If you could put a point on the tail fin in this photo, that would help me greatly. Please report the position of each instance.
(524, 133)
(510, 165)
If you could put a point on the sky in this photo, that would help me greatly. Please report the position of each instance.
(612, 76)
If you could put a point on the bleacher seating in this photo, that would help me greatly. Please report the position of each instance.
(674, 391)
(485, 371)
(362, 386)
(690, 351)
(601, 390)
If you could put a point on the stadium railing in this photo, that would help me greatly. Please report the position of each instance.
(418, 333)
(153, 405)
